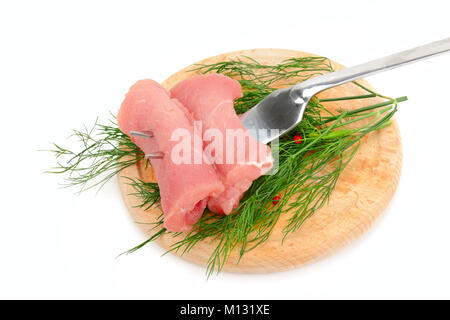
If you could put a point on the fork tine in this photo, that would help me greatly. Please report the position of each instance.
(155, 155)
(144, 134)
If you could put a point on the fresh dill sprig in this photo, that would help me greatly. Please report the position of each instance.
(307, 174)
(146, 192)
(105, 152)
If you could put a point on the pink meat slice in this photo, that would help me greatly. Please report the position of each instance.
(184, 188)
(210, 99)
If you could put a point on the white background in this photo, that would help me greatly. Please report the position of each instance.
(64, 63)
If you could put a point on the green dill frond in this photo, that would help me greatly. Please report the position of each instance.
(146, 192)
(105, 151)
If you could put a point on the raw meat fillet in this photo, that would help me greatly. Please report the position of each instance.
(184, 188)
(210, 99)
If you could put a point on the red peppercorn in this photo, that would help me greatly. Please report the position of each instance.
(298, 139)
(276, 199)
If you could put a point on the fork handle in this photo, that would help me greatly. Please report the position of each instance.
(313, 86)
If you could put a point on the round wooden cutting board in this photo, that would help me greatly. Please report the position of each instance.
(363, 191)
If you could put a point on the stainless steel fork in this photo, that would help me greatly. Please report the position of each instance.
(283, 109)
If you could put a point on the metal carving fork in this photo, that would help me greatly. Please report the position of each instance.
(283, 109)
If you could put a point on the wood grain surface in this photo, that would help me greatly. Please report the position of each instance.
(362, 193)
